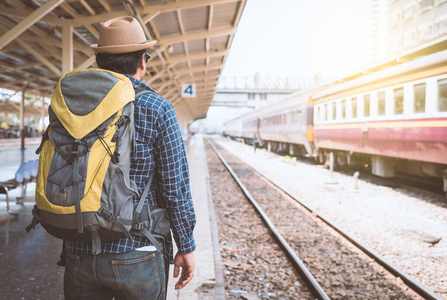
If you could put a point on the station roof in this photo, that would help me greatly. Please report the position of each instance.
(40, 40)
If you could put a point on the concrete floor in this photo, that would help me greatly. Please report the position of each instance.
(28, 267)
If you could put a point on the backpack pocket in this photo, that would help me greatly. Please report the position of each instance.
(160, 223)
(117, 195)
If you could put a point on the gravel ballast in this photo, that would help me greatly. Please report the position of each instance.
(396, 223)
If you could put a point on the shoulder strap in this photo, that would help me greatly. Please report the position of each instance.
(143, 196)
(139, 91)
(137, 212)
(140, 205)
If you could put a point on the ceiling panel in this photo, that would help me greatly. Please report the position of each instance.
(194, 38)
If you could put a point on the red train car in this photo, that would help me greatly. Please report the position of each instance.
(395, 119)
(392, 118)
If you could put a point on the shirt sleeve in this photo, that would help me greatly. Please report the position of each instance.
(173, 183)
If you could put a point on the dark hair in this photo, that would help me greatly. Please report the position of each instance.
(124, 63)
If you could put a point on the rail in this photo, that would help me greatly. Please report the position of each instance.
(407, 279)
(310, 280)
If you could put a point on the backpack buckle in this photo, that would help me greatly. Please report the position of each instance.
(105, 214)
(75, 148)
(138, 226)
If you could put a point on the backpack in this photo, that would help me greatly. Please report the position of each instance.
(83, 189)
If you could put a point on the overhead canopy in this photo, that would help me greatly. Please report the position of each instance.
(42, 40)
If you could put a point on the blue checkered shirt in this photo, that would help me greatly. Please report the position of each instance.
(160, 149)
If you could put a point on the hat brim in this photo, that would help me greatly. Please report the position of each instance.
(122, 48)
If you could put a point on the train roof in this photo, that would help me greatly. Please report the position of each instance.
(298, 97)
(384, 74)
(427, 54)
(424, 55)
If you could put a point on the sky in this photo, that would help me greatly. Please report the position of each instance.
(296, 38)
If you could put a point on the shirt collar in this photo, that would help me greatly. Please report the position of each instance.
(137, 83)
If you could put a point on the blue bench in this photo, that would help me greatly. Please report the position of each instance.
(26, 173)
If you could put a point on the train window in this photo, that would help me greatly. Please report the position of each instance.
(419, 98)
(381, 96)
(343, 109)
(326, 112)
(424, 5)
(318, 113)
(297, 116)
(399, 101)
(442, 86)
(366, 105)
(334, 110)
(354, 107)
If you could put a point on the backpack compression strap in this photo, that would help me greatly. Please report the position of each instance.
(76, 193)
(139, 226)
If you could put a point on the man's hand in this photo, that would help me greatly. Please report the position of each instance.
(186, 262)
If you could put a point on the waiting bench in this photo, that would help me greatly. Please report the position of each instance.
(26, 173)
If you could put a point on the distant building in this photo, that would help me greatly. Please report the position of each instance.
(373, 24)
(413, 23)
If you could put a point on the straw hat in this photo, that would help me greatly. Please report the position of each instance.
(121, 35)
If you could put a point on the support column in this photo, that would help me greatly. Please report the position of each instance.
(42, 113)
(67, 49)
(22, 119)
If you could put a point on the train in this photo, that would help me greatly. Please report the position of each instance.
(391, 118)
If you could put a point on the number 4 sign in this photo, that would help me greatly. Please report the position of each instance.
(189, 90)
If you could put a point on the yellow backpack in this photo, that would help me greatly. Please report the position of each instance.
(83, 190)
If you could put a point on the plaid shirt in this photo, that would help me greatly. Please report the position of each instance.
(160, 149)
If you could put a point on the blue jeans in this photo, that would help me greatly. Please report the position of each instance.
(129, 275)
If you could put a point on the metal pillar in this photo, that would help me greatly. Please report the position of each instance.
(42, 113)
(67, 49)
(22, 119)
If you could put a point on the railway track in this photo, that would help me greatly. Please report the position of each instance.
(338, 270)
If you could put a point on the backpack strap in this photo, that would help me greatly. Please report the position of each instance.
(140, 93)
(139, 227)
(144, 231)
(76, 179)
(143, 196)
(45, 136)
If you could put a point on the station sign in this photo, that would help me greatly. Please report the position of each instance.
(188, 90)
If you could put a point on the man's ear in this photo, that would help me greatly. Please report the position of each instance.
(142, 64)
(141, 71)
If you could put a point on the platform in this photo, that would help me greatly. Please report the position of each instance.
(28, 267)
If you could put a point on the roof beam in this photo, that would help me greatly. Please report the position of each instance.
(158, 75)
(74, 14)
(106, 5)
(28, 22)
(44, 37)
(210, 25)
(87, 63)
(175, 60)
(40, 57)
(200, 69)
(149, 9)
(194, 79)
(165, 43)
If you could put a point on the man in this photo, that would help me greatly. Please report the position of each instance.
(127, 269)
(255, 141)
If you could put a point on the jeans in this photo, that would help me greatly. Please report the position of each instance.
(129, 275)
